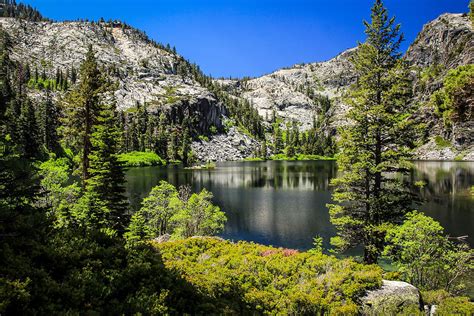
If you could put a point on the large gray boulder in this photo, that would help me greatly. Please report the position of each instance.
(391, 298)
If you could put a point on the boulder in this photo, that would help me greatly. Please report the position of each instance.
(162, 238)
(391, 298)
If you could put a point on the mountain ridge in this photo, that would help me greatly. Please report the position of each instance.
(147, 72)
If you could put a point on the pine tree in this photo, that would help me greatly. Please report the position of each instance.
(29, 141)
(277, 139)
(173, 145)
(104, 205)
(185, 148)
(82, 109)
(377, 145)
(48, 124)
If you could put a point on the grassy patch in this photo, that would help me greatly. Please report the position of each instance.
(300, 157)
(441, 142)
(247, 278)
(253, 159)
(141, 159)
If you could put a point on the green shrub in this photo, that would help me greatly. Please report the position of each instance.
(427, 258)
(246, 278)
(441, 142)
(141, 159)
(455, 306)
(203, 138)
(448, 304)
(179, 213)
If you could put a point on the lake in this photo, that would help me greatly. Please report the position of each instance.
(283, 203)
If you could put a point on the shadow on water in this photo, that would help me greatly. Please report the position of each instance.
(283, 203)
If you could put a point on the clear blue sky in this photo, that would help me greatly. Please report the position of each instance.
(252, 37)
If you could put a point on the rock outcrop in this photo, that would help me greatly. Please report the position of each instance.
(224, 147)
(448, 40)
(391, 298)
(290, 91)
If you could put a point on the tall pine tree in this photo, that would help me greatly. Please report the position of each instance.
(82, 108)
(375, 147)
(104, 205)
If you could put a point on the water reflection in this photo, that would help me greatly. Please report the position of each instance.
(284, 203)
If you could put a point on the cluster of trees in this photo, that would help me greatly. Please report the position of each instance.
(158, 133)
(62, 240)
(61, 81)
(9, 8)
(371, 194)
(454, 102)
(177, 213)
(290, 141)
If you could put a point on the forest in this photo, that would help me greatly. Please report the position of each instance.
(70, 243)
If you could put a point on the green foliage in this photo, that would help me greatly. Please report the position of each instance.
(103, 205)
(377, 144)
(153, 219)
(455, 306)
(246, 278)
(425, 257)
(446, 304)
(441, 142)
(81, 110)
(140, 159)
(453, 102)
(60, 193)
(199, 217)
(203, 138)
(180, 214)
(301, 157)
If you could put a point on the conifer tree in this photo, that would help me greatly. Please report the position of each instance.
(82, 109)
(277, 139)
(48, 123)
(104, 201)
(377, 144)
(29, 144)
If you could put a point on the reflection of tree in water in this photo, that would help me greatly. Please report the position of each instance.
(444, 178)
(276, 175)
(284, 203)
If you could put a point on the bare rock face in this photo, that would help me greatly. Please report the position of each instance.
(225, 147)
(143, 71)
(391, 298)
(146, 72)
(447, 40)
(285, 91)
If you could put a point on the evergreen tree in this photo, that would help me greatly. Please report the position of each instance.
(82, 109)
(173, 145)
(277, 139)
(377, 144)
(104, 200)
(263, 149)
(29, 140)
(48, 123)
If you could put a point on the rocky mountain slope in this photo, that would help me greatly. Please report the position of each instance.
(443, 44)
(447, 41)
(294, 93)
(148, 72)
(142, 70)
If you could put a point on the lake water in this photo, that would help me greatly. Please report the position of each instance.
(283, 203)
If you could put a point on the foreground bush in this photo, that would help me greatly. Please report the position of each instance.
(179, 213)
(448, 304)
(246, 277)
(141, 159)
